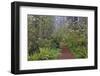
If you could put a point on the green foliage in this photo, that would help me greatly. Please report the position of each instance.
(39, 30)
(77, 43)
(45, 54)
(45, 38)
(74, 39)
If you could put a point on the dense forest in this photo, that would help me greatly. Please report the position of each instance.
(48, 35)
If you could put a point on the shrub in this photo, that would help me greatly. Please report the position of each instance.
(77, 43)
(45, 54)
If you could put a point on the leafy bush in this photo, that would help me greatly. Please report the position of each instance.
(45, 54)
(77, 44)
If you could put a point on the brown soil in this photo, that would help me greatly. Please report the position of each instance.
(66, 54)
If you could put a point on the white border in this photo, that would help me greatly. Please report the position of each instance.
(26, 65)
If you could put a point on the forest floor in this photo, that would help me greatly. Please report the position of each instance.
(66, 54)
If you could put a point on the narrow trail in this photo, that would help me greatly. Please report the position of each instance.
(66, 54)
